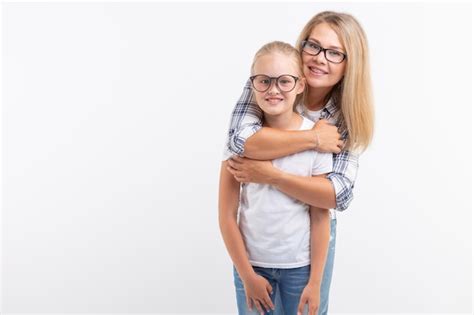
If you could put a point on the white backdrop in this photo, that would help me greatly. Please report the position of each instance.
(114, 118)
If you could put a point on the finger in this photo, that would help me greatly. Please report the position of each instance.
(232, 172)
(230, 168)
(268, 303)
(303, 301)
(340, 143)
(269, 288)
(313, 309)
(237, 159)
(258, 306)
(240, 179)
(269, 299)
(249, 302)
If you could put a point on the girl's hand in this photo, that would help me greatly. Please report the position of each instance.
(252, 171)
(257, 292)
(310, 296)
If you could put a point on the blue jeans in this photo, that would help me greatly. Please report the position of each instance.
(288, 284)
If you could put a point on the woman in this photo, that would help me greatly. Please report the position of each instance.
(334, 51)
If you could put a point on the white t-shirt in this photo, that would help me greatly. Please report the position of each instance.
(275, 226)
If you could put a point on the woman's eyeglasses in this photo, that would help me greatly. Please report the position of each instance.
(331, 55)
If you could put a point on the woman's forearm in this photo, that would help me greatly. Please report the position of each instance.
(316, 191)
(320, 234)
(271, 143)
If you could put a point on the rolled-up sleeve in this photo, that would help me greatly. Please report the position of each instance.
(343, 177)
(246, 120)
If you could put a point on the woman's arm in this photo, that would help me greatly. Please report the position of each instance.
(247, 137)
(270, 143)
(316, 191)
(334, 191)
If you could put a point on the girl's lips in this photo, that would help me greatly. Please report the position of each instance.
(273, 100)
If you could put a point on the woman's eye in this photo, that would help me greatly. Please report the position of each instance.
(334, 53)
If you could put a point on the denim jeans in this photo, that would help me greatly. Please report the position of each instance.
(288, 284)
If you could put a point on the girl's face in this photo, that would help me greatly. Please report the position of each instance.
(274, 101)
(319, 72)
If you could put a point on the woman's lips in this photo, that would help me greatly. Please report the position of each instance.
(317, 71)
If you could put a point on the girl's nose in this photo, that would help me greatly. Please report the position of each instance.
(273, 87)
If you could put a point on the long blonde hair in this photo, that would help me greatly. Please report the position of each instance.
(353, 94)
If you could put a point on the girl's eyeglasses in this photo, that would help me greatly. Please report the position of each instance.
(284, 82)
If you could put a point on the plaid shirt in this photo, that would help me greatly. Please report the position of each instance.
(246, 120)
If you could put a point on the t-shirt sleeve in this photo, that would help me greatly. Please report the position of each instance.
(322, 163)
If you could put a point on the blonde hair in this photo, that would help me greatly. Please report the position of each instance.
(353, 94)
(287, 50)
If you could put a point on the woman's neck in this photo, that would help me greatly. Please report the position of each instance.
(285, 121)
(316, 99)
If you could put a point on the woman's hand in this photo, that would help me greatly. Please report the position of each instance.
(257, 292)
(252, 171)
(310, 296)
(328, 139)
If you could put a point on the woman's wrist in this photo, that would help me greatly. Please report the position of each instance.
(276, 176)
(311, 139)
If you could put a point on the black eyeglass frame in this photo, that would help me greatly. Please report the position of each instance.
(276, 79)
(303, 43)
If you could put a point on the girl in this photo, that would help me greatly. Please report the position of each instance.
(270, 242)
(334, 51)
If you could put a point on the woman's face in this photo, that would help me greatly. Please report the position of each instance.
(319, 72)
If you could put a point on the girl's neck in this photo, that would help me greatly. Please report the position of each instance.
(285, 121)
(317, 98)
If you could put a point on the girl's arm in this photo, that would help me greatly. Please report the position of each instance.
(257, 288)
(247, 137)
(229, 190)
(320, 233)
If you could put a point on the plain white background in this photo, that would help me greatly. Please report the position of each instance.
(113, 122)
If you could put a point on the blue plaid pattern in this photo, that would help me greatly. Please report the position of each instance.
(246, 119)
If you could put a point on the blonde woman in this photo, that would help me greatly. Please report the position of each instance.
(338, 98)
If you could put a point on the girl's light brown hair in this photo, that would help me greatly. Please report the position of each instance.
(287, 50)
(353, 94)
